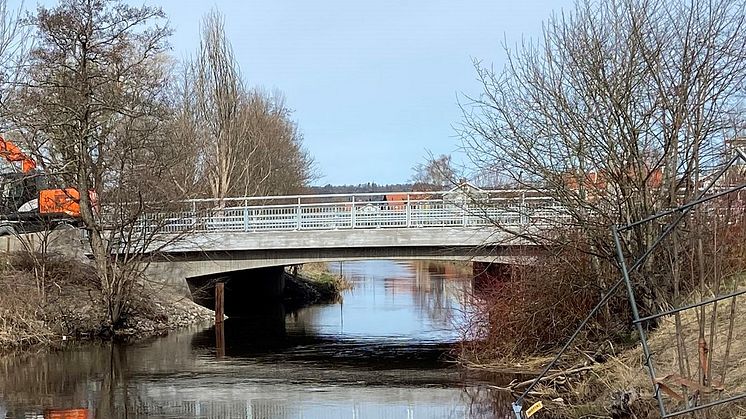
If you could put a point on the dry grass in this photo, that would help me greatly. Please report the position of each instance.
(39, 304)
(34, 311)
(627, 373)
(455, 268)
(319, 272)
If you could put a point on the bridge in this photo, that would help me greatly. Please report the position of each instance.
(199, 239)
(209, 237)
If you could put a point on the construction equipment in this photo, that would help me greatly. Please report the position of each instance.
(27, 203)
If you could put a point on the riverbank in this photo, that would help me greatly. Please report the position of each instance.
(312, 283)
(59, 300)
(614, 382)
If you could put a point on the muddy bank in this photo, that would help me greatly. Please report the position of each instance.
(61, 299)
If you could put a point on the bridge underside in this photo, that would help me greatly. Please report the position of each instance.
(174, 269)
(220, 253)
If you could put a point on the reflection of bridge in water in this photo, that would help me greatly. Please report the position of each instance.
(331, 403)
(175, 377)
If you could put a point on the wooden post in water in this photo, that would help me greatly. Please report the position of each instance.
(219, 311)
(219, 300)
(219, 340)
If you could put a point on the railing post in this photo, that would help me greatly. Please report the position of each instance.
(524, 215)
(298, 215)
(352, 213)
(245, 218)
(409, 212)
(194, 215)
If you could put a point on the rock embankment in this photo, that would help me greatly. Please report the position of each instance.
(160, 311)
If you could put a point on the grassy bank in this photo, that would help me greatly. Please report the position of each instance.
(613, 382)
(676, 357)
(61, 299)
(313, 283)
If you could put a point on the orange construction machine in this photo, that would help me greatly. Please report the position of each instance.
(27, 203)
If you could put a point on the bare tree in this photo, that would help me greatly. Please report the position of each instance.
(13, 51)
(437, 172)
(219, 92)
(180, 154)
(282, 165)
(245, 140)
(90, 106)
(617, 112)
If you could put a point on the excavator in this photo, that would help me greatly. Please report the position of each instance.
(27, 203)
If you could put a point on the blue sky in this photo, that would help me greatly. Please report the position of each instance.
(374, 84)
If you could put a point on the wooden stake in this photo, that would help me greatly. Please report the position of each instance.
(219, 300)
(219, 340)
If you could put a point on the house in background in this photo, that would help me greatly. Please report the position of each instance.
(465, 194)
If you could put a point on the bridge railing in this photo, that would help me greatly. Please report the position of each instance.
(359, 211)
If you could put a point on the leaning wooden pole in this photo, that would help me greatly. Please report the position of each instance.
(219, 301)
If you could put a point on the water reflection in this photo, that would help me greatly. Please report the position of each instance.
(379, 354)
(397, 300)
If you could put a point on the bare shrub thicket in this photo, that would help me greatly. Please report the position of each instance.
(67, 305)
(542, 302)
(619, 111)
(538, 307)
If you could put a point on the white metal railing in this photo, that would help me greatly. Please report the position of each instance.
(356, 211)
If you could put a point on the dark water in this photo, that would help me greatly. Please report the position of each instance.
(381, 353)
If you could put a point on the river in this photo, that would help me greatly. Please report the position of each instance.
(382, 352)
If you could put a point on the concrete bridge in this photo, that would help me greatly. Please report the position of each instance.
(200, 239)
(208, 237)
